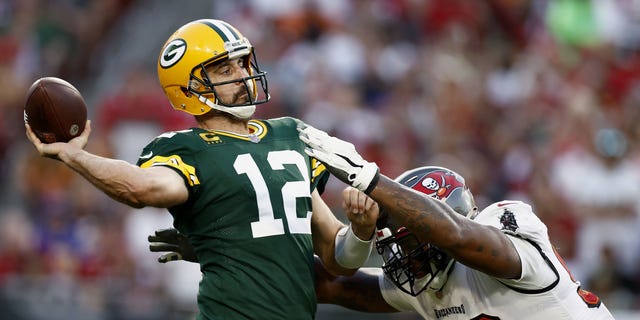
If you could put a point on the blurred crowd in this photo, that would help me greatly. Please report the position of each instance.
(528, 99)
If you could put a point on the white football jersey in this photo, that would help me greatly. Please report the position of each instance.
(546, 289)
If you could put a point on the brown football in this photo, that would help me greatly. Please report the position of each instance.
(55, 110)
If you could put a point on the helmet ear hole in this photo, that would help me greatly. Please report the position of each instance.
(185, 91)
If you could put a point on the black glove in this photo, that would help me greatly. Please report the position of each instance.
(175, 244)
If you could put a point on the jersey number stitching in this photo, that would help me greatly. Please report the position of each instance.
(267, 225)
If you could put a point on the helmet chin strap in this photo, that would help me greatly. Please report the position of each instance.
(244, 112)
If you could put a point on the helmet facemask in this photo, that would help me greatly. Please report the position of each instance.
(412, 266)
(208, 93)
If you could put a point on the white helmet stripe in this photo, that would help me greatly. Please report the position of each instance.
(226, 32)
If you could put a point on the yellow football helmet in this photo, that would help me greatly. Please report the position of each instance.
(200, 43)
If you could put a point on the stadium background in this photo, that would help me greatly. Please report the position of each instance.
(529, 99)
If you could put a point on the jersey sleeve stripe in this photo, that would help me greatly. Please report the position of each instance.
(317, 168)
(174, 161)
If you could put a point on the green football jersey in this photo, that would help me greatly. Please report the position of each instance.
(248, 216)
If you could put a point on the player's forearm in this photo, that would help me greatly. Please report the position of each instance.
(324, 248)
(481, 247)
(429, 219)
(358, 292)
(117, 178)
(324, 227)
(362, 292)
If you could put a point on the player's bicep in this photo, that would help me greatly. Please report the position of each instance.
(486, 249)
(165, 187)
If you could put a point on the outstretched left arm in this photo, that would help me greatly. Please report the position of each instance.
(481, 247)
(478, 246)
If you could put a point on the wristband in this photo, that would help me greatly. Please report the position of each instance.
(351, 252)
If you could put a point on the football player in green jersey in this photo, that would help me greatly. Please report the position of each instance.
(243, 191)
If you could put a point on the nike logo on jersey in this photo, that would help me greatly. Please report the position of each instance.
(502, 204)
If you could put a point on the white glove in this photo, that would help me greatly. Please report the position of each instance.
(340, 158)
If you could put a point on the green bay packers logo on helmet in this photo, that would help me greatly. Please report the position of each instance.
(172, 53)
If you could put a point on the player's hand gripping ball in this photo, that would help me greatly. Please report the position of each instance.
(55, 110)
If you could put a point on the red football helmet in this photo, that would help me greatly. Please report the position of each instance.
(413, 266)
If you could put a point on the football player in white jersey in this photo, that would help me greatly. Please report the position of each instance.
(443, 258)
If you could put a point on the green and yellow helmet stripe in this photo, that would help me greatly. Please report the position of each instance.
(224, 30)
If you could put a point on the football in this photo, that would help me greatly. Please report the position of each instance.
(55, 110)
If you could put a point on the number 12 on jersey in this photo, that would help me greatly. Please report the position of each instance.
(267, 224)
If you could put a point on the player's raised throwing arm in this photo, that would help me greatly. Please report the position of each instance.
(122, 181)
